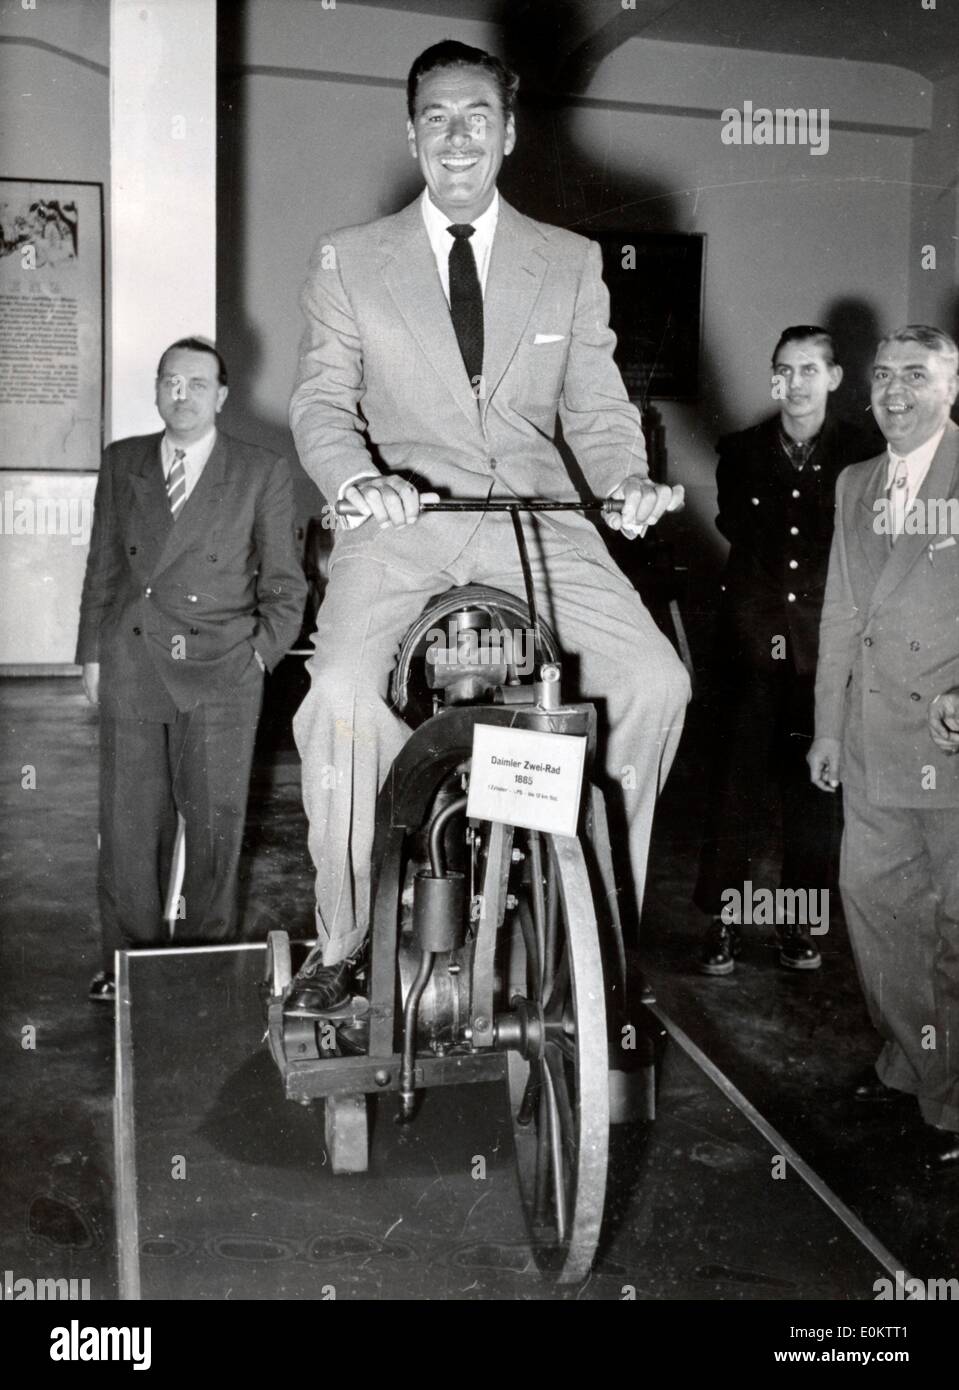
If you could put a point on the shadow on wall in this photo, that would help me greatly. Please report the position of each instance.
(551, 175)
(856, 330)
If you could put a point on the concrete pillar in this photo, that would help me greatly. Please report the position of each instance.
(163, 193)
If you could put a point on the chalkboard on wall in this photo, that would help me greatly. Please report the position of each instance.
(655, 282)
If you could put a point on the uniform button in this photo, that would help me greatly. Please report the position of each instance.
(914, 695)
(755, 501)
(194, 632)
(212, 559)
(492, 463)
(867, 641)
(790, 598)
(794, 564)
(136, 632)
(796, 492)
(913, 646)
(794, 530)
(147, 592)
(133, 550)
(191, 598)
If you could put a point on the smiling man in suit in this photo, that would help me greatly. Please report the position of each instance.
(886, 700)
(443, 347)
(193, 589)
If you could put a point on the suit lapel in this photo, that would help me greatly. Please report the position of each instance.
(409, 271)
(200, 511)
(516, 273)
(939, 482)
(149, 490)
(875, 544)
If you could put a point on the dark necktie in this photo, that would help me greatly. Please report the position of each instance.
(466, 299)
(176, 483)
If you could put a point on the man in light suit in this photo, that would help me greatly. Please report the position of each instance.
(442, 347)
(193, 589)
(887, 693)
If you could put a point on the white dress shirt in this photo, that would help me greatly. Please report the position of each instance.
(916, 465)
(481, 241)
(195, 458)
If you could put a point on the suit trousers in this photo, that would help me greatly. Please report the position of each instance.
(764, 732)
(348, 735)
(899, 879)
(198, 764)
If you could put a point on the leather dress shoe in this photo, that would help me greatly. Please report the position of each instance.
(940, 1150)
(321, 989)
(796, 949)
(721, 948)
(869, 1090)
(103, 988)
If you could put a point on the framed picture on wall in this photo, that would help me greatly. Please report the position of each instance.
(655, 282)
(51, 325)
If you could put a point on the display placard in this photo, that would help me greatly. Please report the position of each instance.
(522, 777)
(51, 325)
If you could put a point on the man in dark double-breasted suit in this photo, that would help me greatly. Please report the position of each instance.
(776, 483)
(193, 589)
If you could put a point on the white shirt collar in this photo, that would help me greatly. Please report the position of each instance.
(436, 220)
(917, 463)
(436, 223)
(196, 454)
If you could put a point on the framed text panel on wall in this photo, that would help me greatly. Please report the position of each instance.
(655, 282)
(51, 325)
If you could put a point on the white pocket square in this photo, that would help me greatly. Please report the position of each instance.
(941, 545)
(548, 338)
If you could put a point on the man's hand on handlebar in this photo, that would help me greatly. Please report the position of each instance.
(644, 502)
(390, 500)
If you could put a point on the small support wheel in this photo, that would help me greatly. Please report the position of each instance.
(279, 968)
(347, 1133)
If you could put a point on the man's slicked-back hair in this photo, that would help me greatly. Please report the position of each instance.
(195, 345)
(808, 332)
(932, 339)
(450, 53)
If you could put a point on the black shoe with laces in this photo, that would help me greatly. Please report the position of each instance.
(721, 948)
(321, 989)
(797, 951)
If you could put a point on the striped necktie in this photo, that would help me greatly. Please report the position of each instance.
(176, 483)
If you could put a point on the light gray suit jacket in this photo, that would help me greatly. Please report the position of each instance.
(381, 381)
(889, 634)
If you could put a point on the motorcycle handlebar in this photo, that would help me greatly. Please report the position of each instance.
(606, 506)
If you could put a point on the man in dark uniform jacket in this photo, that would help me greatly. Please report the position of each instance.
(776, 483)
(193, 589)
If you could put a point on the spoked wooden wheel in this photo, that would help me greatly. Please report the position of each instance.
(559, 1093)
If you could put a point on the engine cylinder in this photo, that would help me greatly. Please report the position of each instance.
(439, 911)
